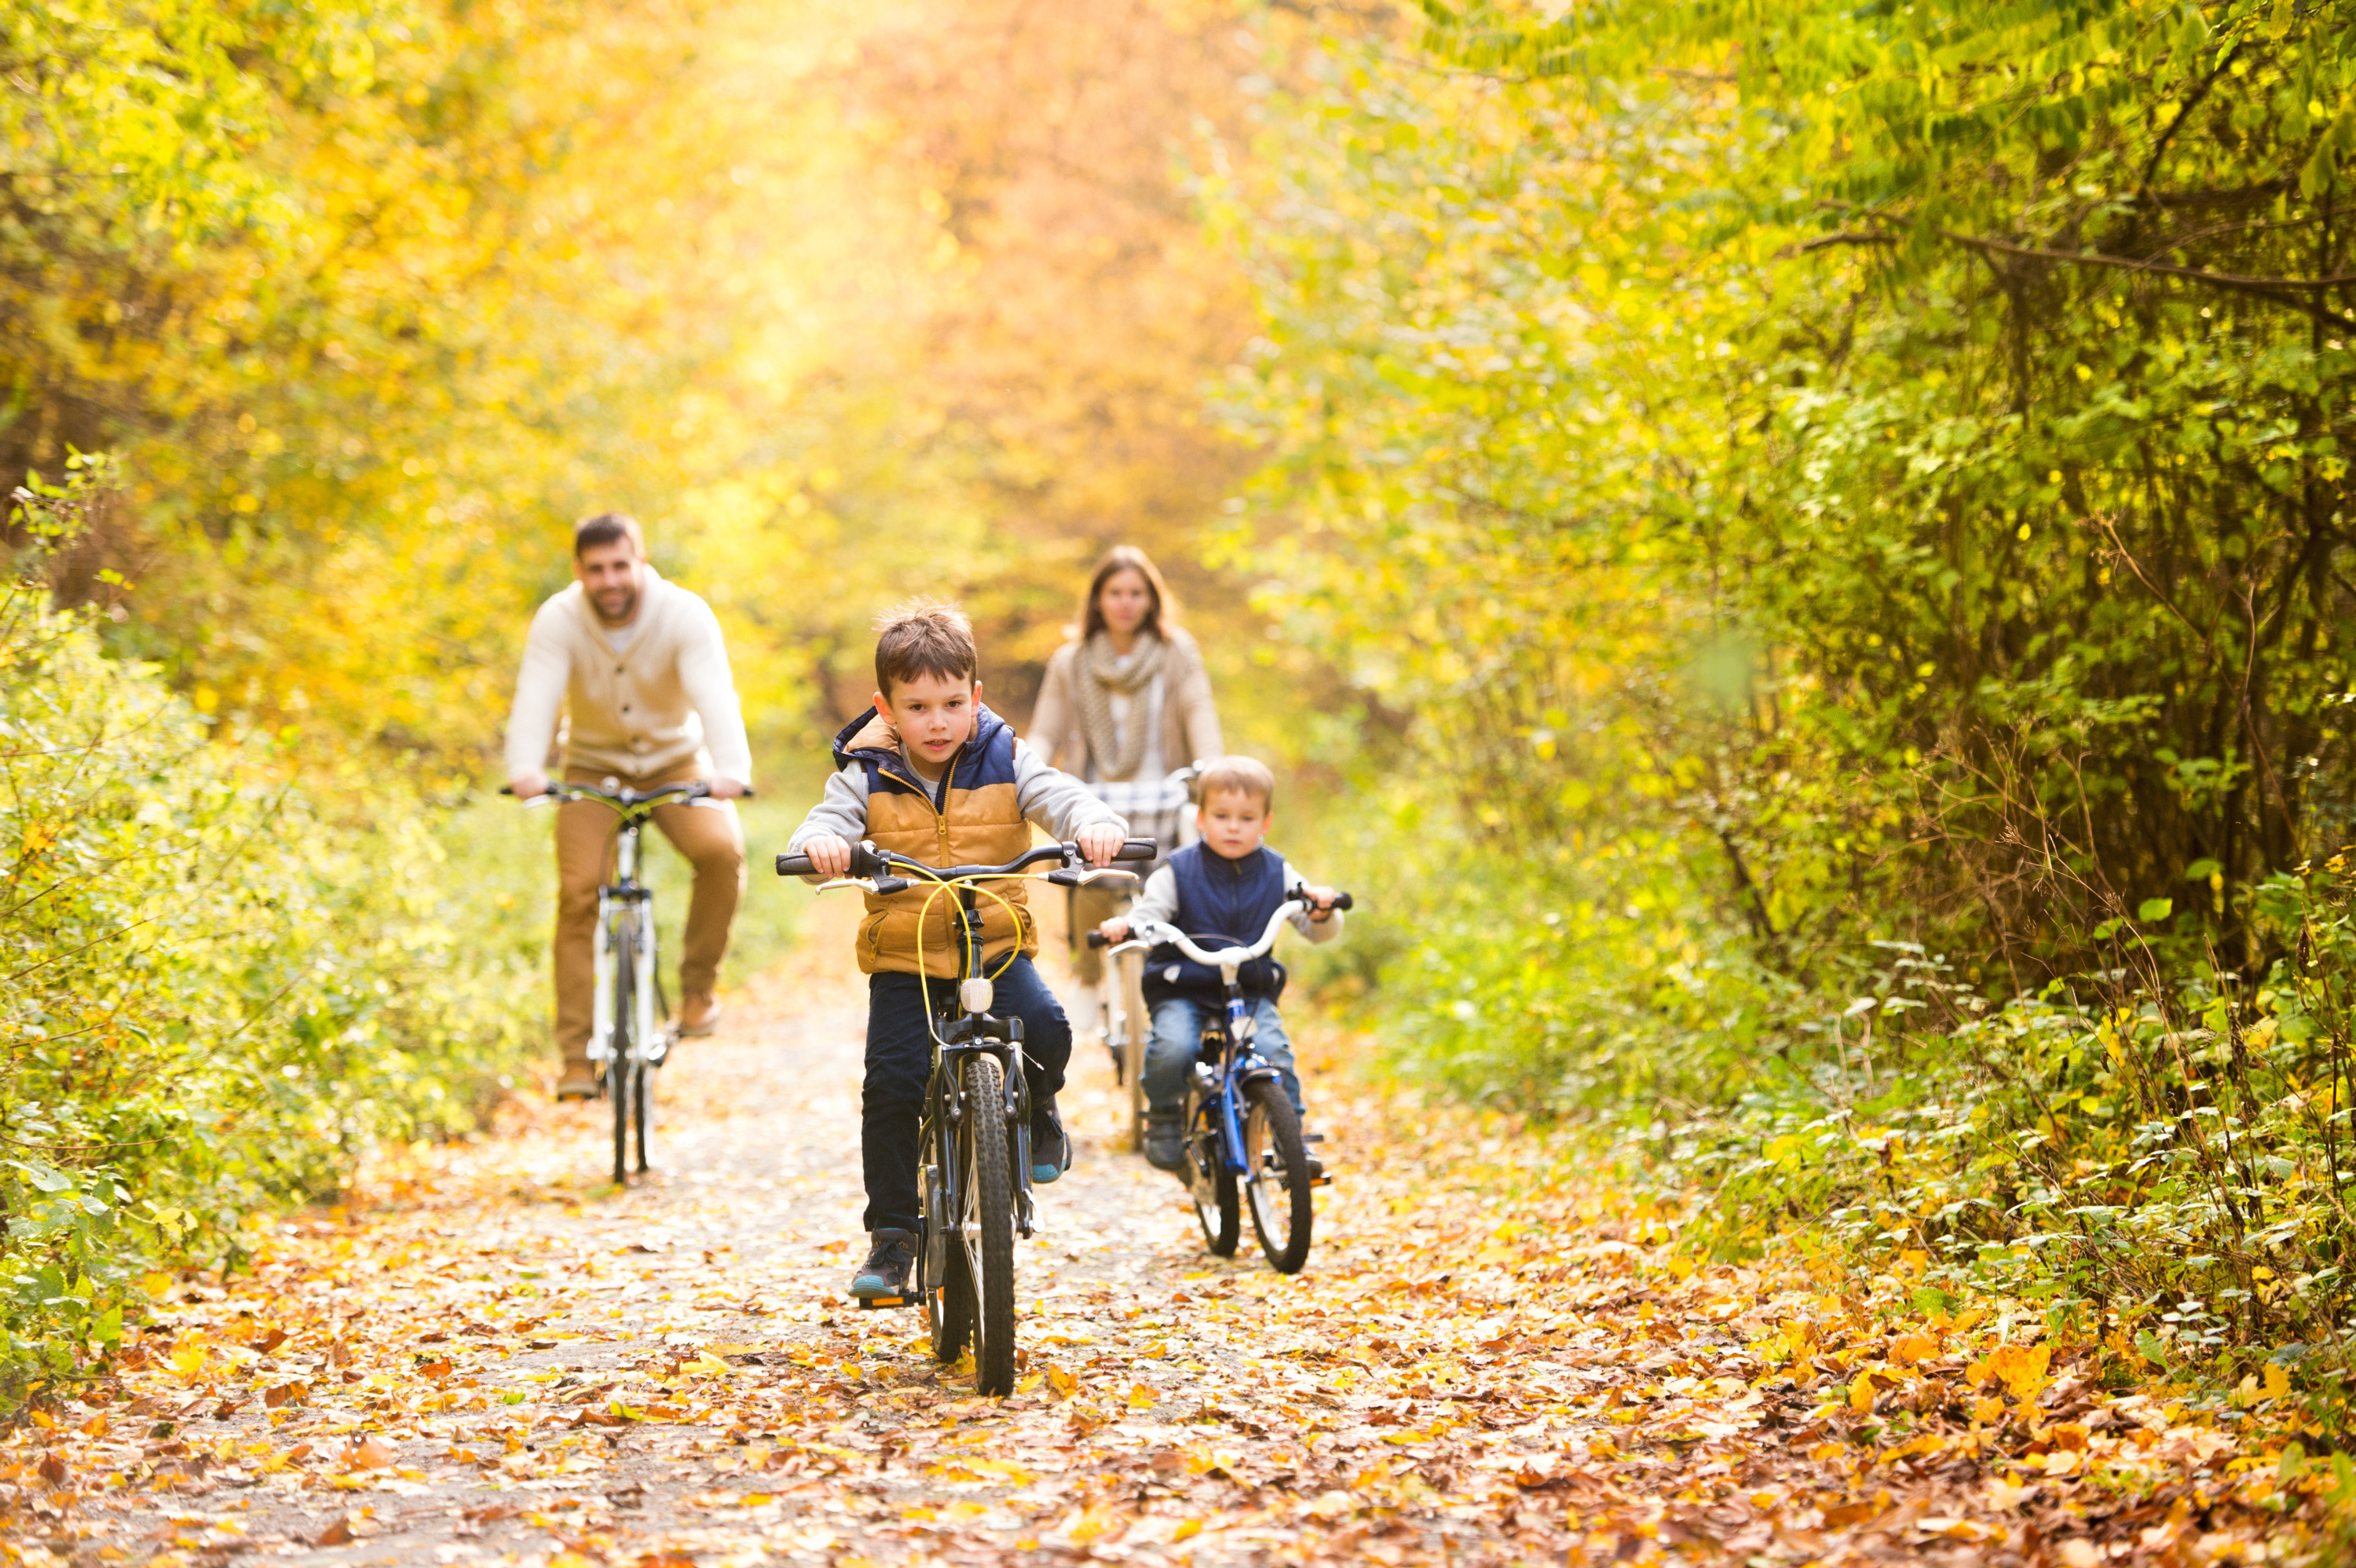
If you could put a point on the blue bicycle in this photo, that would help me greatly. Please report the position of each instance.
(1243, 1140)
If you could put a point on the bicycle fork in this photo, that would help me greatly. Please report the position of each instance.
(620, 911)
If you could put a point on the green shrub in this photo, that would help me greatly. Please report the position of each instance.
(222, 975)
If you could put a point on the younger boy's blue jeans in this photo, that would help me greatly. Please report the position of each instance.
(1170, 1054)
(900, 1062)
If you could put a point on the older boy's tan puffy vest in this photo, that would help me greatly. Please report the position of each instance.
(978, 823)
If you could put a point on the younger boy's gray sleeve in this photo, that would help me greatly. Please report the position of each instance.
(1160, 899)
(1320, 932)
(842, 810)
(1056, 801)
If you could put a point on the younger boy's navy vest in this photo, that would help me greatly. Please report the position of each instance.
(1221, 903)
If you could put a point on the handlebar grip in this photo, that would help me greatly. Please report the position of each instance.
(1138, 850)
(796, 866)
(507, 789)
(1096, 939)
(1341, 901)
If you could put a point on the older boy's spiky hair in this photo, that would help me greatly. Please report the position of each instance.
(921, 637)
(1247, 777)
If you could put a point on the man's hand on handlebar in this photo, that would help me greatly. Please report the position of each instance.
(829, 855)
(1101, 843)
(725, 789)
(528, 785)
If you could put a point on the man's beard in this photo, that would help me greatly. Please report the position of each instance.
(619, 611)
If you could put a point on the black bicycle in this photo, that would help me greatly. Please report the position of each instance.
(976, 1128)
(630, 1029)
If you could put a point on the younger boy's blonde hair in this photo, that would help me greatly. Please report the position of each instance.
(1238, 776)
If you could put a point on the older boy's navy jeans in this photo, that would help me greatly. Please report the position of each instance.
(900, 1060)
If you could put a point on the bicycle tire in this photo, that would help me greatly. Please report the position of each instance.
(1281, 1217)
(949, 1291)
(1216, 1207)
(617, 1067)
(642, 1106)
(989, 1245)
(1130, 967)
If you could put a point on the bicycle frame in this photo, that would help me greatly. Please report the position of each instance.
(1238, 1064)
(625, 1049)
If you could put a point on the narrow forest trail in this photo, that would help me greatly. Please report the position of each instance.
(487, 1358)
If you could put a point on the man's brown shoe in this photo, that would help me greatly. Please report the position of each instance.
(697, 1016)
(579, 1081)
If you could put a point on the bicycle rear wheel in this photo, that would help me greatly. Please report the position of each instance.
(986, 1234)
(622, 1066)
(1278, 1164)
(949, 1286)
(1209, 1181)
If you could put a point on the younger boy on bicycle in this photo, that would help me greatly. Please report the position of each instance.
(1221, 891)
(934, 775)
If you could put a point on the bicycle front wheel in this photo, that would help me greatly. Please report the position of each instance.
(1130, 977)
(622, 1067)
(1277, 1164)
(987, 1228)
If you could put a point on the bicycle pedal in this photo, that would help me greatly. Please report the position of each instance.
(1312, 1137)
(1321, 1181)
(879, 1303)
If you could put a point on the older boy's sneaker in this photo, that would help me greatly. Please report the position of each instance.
(1050, 1151)
(1165, 1141)
(697, 1016)
(885, 1272)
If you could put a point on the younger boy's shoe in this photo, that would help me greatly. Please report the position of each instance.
(1050, 1151)
(1165, 1141)
(699, 1017)
(578, 1081)
(885, 1272)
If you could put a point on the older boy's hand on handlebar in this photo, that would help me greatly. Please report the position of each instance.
(1115, 932)
(1320, 903)
(1101, 843)
(527, 786)
(829, 855)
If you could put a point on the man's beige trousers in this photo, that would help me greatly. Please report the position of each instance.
(714, 842)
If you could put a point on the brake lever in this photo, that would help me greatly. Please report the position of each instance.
(882, 887)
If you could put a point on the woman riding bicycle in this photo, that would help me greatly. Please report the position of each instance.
(1125, 704)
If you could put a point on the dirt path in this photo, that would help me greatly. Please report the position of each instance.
(490, 1359)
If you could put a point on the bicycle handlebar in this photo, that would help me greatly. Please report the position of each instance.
(867, 861)
(1153, 933)
(558, 789)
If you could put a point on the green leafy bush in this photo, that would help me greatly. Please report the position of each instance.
(222, 976)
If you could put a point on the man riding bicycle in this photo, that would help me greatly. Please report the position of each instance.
(639, 671)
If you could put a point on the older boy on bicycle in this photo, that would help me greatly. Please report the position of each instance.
(934, 775)
(1226, 887)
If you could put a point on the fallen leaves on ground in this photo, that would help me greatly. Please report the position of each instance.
(1491, 1359)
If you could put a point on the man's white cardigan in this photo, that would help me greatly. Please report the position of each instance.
(665, 700)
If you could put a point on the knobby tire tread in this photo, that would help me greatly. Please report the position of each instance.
(992, 1201)
(1268, 1098)
(951, 1312)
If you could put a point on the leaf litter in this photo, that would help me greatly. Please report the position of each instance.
(484, 1355)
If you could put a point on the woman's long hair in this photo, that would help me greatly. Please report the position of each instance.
(1128, 557)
